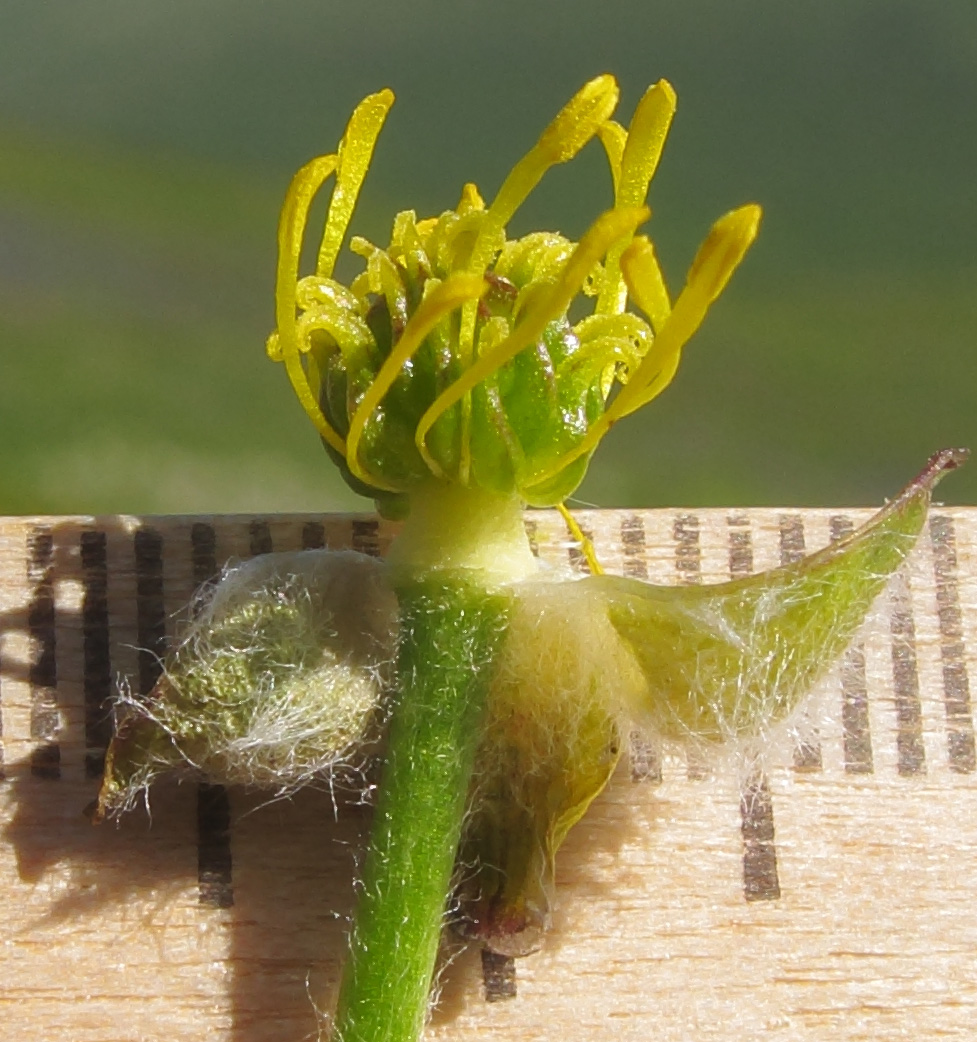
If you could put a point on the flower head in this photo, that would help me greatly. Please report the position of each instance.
(451, 359)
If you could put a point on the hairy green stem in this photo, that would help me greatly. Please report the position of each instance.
(451, 629)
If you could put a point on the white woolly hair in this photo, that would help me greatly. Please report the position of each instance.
(277, 682)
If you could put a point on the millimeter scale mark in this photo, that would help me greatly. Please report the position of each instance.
(855, 726)
(150, 609)
(688, 568)
(366, 537)
(313, 535)
(498, 976)
(761, 879)
(807, 752)
(644, 754)
(96, 650)
(956, 682)
(43, 670)
(911, 753)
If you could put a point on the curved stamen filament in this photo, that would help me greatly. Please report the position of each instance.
(287, 345)
(606, 230)
(613, 137)
(714, 264)
(575, 124)
(586, 544)
(712, 268)
(355, 153)
(442, 299)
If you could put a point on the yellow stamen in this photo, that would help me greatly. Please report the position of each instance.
(586, 545)
(712, 268)
(442, 299)
(714, 264)
(602, 234)
(575, 124)
(613, 137)
(286, 344)
(355, 153)
(471, 200)
(639, 161)
(645, 281)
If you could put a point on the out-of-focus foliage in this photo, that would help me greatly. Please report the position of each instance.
(144, 148)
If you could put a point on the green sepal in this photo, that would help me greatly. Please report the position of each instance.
(727, 660)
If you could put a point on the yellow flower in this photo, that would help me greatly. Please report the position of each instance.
(451, 359)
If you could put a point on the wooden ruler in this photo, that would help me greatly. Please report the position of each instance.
(830, 892)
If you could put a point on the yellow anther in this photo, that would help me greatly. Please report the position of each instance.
(639, 161)
(645, 281)
(442, 299)
(579, 119)
(721, 253)
(355, 152)
(470, 200)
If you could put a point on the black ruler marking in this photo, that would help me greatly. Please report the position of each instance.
(214, 867)
(761, 880)
(203, 553)
(645, 759)
(740, 546)
(905, 678)
(855, 724)
(807, 752)
(96, 654)
(688, 565)
(688, 555)
(644, 755)
(261, 541)
(43, 670)
(576, 556)
(313, 535)
(150, 609)
(856, 730)
(498, 976)
(366, 537)
(956, 683)
(634, 543)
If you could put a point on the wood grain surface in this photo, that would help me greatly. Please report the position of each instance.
(826, 890)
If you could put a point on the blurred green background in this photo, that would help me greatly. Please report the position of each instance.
(145, 147)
